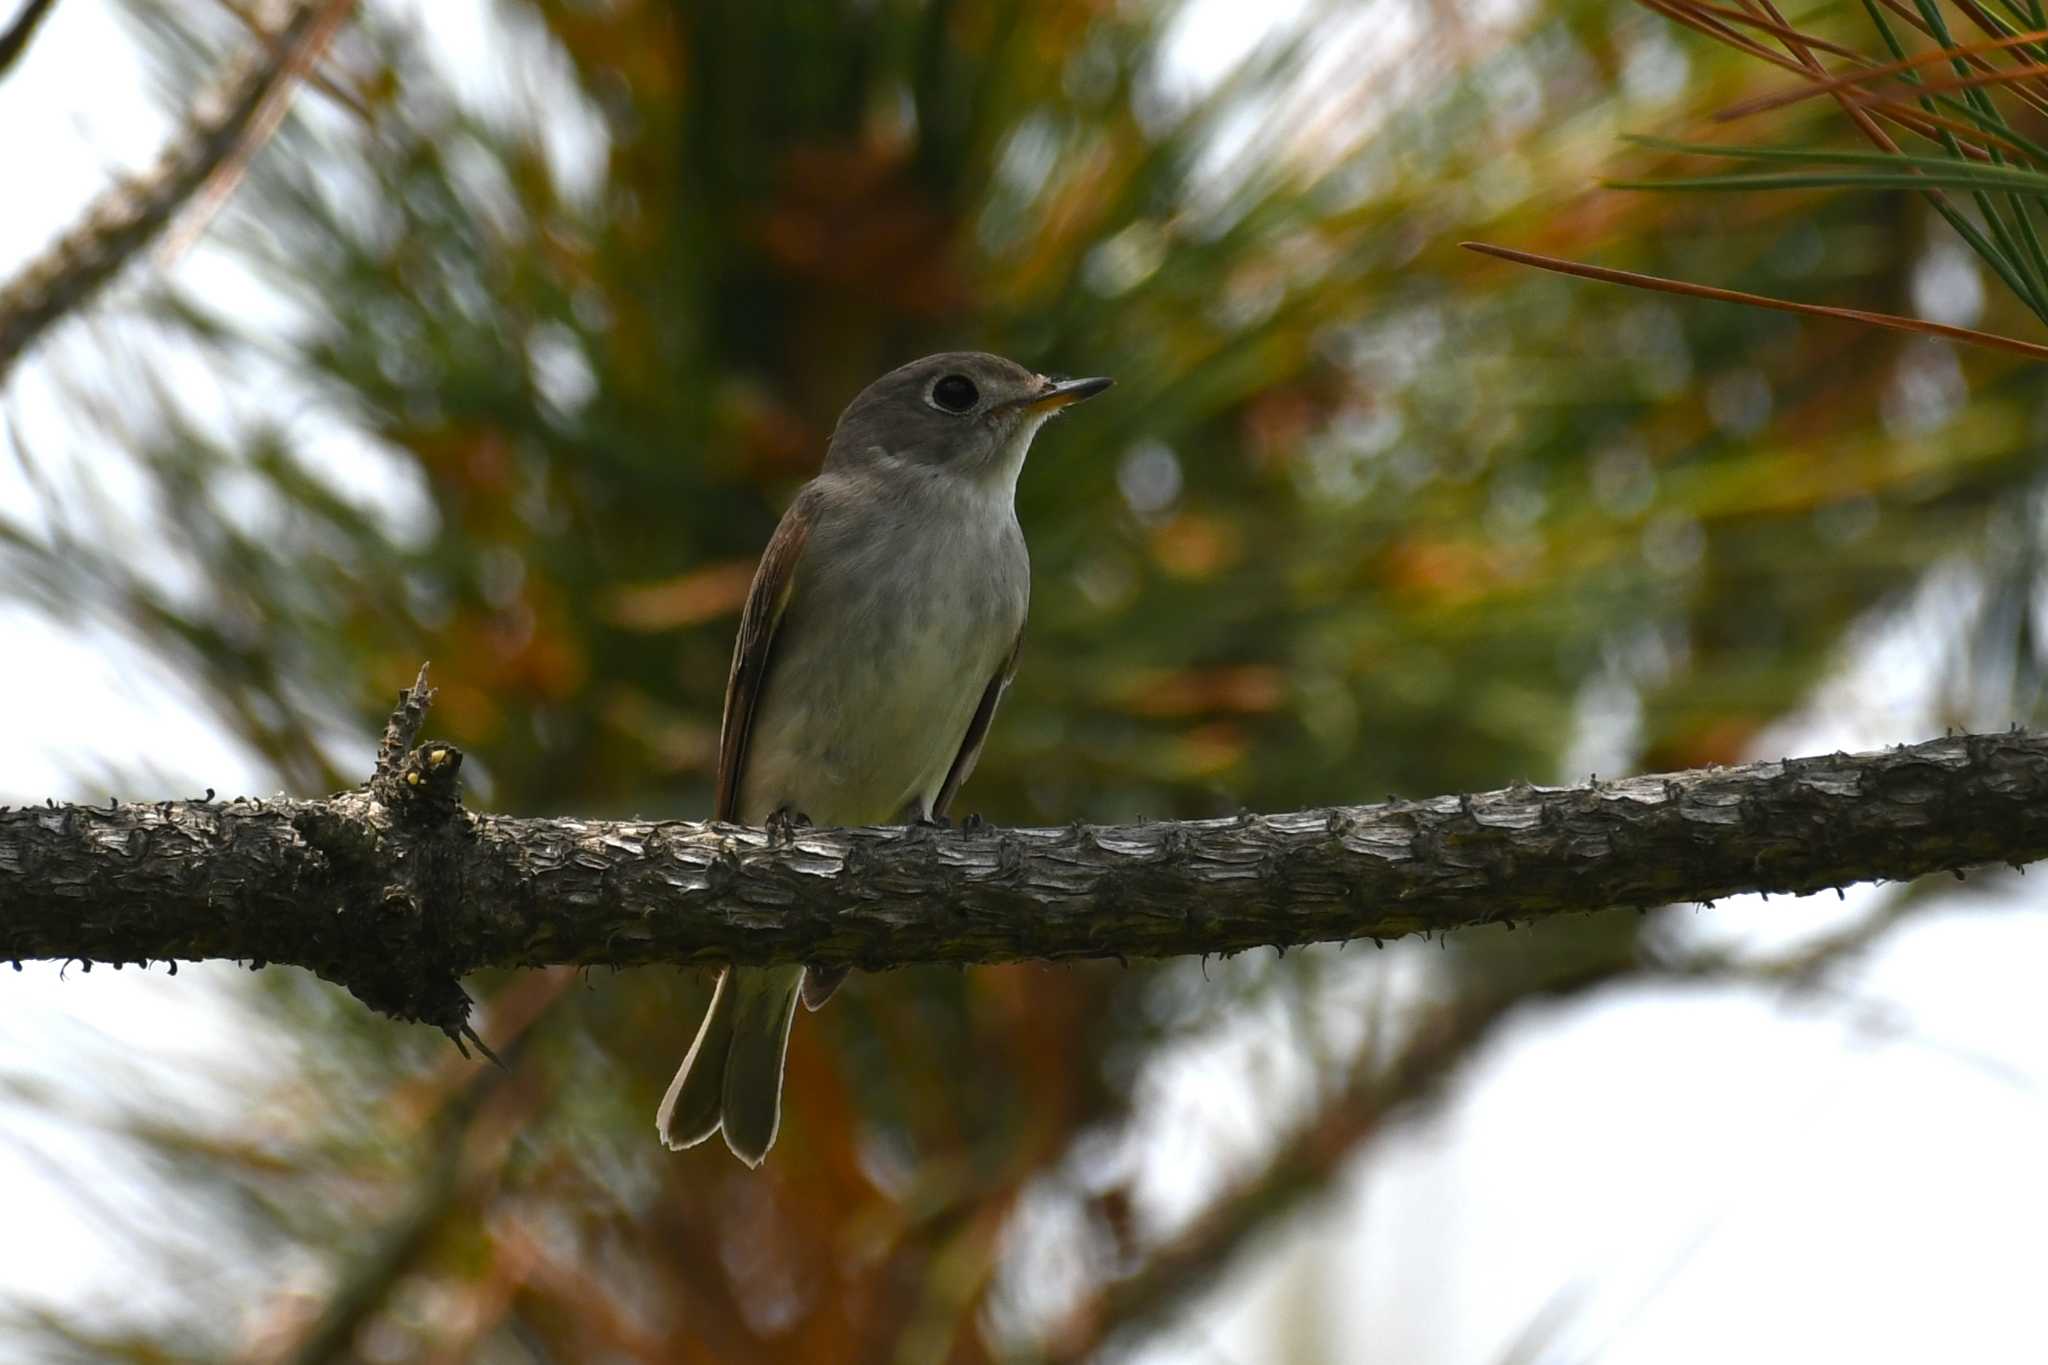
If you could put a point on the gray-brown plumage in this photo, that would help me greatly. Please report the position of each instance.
(880, 632)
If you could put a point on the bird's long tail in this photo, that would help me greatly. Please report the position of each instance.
(732, 1078)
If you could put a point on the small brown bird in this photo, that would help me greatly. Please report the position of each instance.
(880, 632)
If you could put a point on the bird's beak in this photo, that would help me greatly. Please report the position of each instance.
(1061, 393)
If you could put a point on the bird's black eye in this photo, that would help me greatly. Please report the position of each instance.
(955, 393)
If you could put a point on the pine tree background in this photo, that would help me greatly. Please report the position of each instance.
(507, 355)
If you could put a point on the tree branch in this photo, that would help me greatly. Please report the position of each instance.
(208, 154)
(1448, 1035)
(396, 891)
(14, 39)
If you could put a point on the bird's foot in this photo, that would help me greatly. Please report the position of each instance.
(973, 824)
(784, 824)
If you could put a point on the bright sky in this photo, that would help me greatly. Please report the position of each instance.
(1711, 1175)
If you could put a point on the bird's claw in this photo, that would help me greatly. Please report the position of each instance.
(784, 824)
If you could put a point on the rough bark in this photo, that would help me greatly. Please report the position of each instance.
(396, 890)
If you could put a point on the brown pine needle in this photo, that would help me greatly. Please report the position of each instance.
(1968, 336)
(1869, 74)
(1782, 32)
(1906, 14)
(1811, 66)
(2007, 76)
(1682, 13)
(1971, 141)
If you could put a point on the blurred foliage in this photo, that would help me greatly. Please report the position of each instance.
(1363, 515)
(1949, 98)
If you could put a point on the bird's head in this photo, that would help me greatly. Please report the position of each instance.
(964, 412)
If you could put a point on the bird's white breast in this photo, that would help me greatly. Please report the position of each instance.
(911, 592)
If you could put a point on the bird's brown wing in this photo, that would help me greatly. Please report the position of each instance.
(752, 653)
(977, 729)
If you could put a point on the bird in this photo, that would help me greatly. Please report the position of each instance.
(877, 639)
